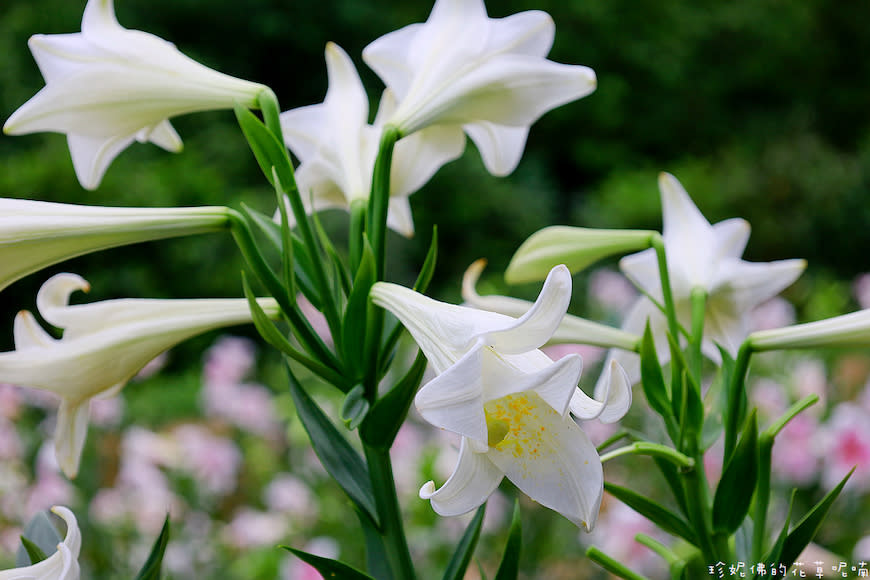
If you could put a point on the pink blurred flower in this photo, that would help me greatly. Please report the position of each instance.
(590, 354)
(10, 442)
(795, 455)
(252, 528)
(289, 494)
(810, 378)
(846, 444)
(212, 460)
(247, 406)
(770, 397)
(775, 313)
(107, 412)
(153, 367)
(51, 488)
(10, 401)
(228, 360)
(611, 290)
(861, 290)
(614, 534)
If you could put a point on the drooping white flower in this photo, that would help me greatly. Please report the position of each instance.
(104, 344)
(507, 399)
(108, 86)
(62, 564)
(706, 257)
(337, 147)
(37, 234)
(488, 77)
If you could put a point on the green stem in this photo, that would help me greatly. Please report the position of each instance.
(379, 199)
(386, 501)
(762, 496)
(735, 408)
(699, 304)
(653, 450)
(698, 509)
(670, 310)
(355, 239)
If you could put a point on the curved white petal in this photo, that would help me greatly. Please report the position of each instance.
(70, 434)
(643, 271)
(749, 284)
(28, 333)
(473, 480)
(444, 332)
(91, 156)
(555, 382)
(52, 300)
(399, 216)
(548, 457)
(99, 18)
(62, 564)
(501, 147)
(731, 237)
(163, 135)
(454, 399)
(537, 325)
(531, 33)
(612, 399)
(418, 157)
(387, 57)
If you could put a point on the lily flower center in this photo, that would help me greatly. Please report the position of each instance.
(516, 424)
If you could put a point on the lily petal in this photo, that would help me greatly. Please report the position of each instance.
(473, 480)
(70, 434)
(612, 396)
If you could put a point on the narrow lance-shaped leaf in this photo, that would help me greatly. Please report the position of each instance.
(804, 532)
(737, 484)
(385, 418)
(337, 456)
(268, 151)
(616, 568)
(151, 569)
(462, 556)
(34, 552)
(356, 313)
(329, 568)
(654, 512)
(653, 383)
(509, 568)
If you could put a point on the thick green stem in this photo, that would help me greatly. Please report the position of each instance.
(698, 509)
(699, 304)
(386, 501)
(670, 310)
(355, 238)
(736, 400)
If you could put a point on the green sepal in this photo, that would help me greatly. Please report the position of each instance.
(653, 511)
(377, 560)
(34, 552)
(737, 484)
(276, 338)
(355, 320)
(804, 532)
(462, 556)
(339, 459)
(385, 418)
(616, 568)
(355, 407)
(653, 382)
(151, 569)
(42, 533)
(329, 568)
(509, 569)
(268, 151)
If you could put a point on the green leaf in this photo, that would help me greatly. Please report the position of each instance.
(34, 552)
(329, 568)
(509, 568)
(804, 532)
(41, 532)
(653, 511)
(276, 338)
(151, 569)
(775, 552)
(384, 420)
(356, 313)
(653, 382)
(268, 151)
(737, 484)
(355, 407)
(462, 556)
(337, 456)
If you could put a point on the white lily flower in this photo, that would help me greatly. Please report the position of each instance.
(108, 86)
(61, 565)
(507, 399)
(706, 257)
(846, 330)
(488, 77)
(37, 234)
(104, 344)
(337, 147)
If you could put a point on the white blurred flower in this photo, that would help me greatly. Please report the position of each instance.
(108, 86)
(103, 346)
